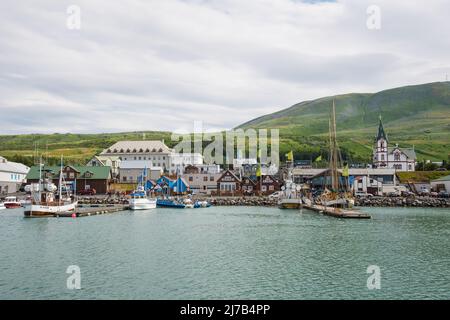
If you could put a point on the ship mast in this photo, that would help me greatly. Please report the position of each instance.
(333, 151)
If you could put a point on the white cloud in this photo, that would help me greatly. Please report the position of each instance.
(160, 65)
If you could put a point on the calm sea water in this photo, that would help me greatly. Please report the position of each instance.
(227, 253)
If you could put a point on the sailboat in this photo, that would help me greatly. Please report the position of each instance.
(139, 199)
(43, 198)
(336, 196)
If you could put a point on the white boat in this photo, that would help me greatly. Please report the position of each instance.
(140, 201)
(43, 200)
(2, 206)
(188, 204)
(12, 202)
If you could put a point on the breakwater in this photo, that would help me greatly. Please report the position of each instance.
(272, 202)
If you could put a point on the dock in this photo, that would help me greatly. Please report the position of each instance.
(87, 211)
(337, 212)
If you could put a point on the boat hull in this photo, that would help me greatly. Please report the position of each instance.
(290, 203)
(38, 210)
(169, 204)
(12, 205)
(142, 204)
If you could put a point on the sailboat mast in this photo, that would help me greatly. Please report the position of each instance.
(60, 181)
(334, 173)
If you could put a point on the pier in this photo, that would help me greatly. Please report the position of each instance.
(87, 211)
(337, 212)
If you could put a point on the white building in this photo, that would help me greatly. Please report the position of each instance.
(240, 162)
(441, 184)
(400, 159)
(179, 161)
(154, 152)
(106, 161)
(12, 175)
(130, 170)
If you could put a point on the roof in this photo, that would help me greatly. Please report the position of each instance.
(351, 171)
(144, 146)
(14, 167)
(409, 152)
(98, 173)
(445, 178)
(381, 134)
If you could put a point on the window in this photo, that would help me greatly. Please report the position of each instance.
(382, 157)
(271, 188)
(205, 179)
(124, 178)
(211, 178)
(71, 175)
(397, 156)
(191, 178)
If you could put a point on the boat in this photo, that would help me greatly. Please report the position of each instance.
(188, 204)
(339, 195)
(44, 200)
(202, 204)
(2, 206)
(139, 200)
(168, 203)
(291, 193)
(12, 202)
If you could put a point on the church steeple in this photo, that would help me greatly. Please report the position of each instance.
(381, 133)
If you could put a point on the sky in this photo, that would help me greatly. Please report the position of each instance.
(161, 65)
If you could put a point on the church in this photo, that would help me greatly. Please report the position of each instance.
(385, 157)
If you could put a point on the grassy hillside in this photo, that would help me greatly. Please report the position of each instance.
(413, 115)
(76, 148)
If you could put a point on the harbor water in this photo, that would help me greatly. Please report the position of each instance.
(227, 253)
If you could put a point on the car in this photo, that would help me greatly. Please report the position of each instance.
(434, 194)
(407, 194)
(276, 194)
(441, 169)
(361, 194)
(88, 192)
(393, 194)
(443, 194)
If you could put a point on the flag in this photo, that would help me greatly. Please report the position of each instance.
(290, 156)
(345, 170)
(258, 170)
(319, 158)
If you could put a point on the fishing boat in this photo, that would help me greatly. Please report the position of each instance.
(139, 200)
(12, 202)
(45, 201)
(168, 203)
(291, 193)
(339, 195)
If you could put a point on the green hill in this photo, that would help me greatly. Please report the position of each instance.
(416, 116)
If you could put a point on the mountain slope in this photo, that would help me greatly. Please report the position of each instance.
(413, 115)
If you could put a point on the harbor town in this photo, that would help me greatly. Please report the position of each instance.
(155, 171)
(224, 154)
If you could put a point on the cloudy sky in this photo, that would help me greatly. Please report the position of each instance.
(160, 65)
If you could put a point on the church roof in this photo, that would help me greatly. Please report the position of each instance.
(381, 134)
(409, 152)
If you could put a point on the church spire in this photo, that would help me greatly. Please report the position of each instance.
(381, 133)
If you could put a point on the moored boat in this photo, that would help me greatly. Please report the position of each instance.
(167, 203)
(44, 202)
(2, 206)
(12, 202)
(140, 201)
